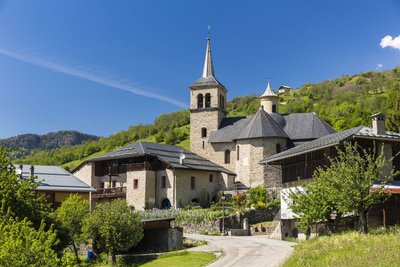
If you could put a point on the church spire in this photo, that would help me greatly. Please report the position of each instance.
(208, 69)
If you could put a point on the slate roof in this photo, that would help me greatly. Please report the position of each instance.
(331, 140)
(55, 178)
(206, 81)
(166, 153)
(229, 128)
(297, 127)
(261, 125)
(300, 126)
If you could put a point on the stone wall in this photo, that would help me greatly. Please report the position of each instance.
(144, 195)
(84, 173)
(230, 222)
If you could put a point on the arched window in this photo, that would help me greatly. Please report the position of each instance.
(274, 108)
(278, 148)
(203, 132)
(199, 101)
(227, 156)
(208, 100)
(166, 204)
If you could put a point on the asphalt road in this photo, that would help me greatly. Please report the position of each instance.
(245, 250)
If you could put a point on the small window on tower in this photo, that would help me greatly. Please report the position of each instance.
(192, 182)
(278, 148)
(227, 156)
(204, 144)
(237, 152)
(135, 184)
(274, 108)
(211, 178)
(199, 101)
(208, 100)
(163, 182)
(203, 132)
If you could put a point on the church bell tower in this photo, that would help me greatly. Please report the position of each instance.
(207, 106)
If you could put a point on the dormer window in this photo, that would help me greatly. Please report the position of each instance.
(200, 101)
(208, 100)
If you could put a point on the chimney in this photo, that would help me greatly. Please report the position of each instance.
(32, 170)
(378, 123)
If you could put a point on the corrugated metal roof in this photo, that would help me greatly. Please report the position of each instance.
(166, 153)
(330, 140)
(55, 178)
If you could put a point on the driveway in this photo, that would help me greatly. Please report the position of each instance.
(245, 250)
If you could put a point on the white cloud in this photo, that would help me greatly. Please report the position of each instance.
(379, 66)
(389, 41)
(94, 76)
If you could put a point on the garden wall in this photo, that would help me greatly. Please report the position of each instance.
(230, 222)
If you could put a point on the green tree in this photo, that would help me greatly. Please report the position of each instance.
(114, 227)
(18, 196)
(345, 186)
(22, 245)
(71, 215)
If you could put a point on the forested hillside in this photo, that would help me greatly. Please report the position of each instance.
(24, 144)
(344, 102)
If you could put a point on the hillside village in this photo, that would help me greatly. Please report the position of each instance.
(232, 168)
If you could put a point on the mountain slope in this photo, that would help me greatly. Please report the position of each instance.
(344, 102)
(23, 145)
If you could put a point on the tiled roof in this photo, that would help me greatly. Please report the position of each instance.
(55, 178)
(166, 153)
(298, 127)
(229, 128)
(261, 125)
(331, 140)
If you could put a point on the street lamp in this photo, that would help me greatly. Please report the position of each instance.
(223, 212)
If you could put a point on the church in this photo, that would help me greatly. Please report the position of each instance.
(240, 143)
(225, 152)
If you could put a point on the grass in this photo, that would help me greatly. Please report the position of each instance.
(192, 259)
(348, 249)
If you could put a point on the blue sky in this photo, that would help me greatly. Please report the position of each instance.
(101, 66)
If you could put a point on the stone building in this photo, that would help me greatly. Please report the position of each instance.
(239, 143)
(150, 175)
(301, 161)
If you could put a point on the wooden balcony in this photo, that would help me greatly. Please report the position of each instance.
(113, 192)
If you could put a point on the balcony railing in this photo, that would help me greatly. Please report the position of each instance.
(110, 192)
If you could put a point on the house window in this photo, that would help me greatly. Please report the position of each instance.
(278, 148)
(114, 183)
(211, 178)
(200, 101)
(102, 185)
(227, 156)
(163, 182)
(203, 132)
(192, 183)
(208, 100)
(274, 108)
(135, 184)
(237, 152)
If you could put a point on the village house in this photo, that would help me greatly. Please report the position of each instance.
(150, 175)
(301, 161)
(55, 182)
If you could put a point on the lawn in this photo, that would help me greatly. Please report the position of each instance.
(192, 259)
(348, 249)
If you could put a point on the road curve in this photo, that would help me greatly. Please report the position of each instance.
(245, 250)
